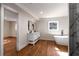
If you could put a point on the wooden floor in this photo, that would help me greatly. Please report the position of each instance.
(41, 48)
(10, 47)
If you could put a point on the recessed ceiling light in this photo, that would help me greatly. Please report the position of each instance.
(41, 12)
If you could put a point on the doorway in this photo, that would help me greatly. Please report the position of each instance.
(10, 32)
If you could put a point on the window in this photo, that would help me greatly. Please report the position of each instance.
(53, 25)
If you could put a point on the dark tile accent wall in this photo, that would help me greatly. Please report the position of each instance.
(74, 29)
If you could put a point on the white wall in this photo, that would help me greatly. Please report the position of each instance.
(22, 26)
(12, 28)
(22, 29)
(9, 28)
(6, 28)
(42, 27)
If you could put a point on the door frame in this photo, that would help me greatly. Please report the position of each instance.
(2, 27)
(2, 30)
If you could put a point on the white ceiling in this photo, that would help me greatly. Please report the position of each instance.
(49, 9)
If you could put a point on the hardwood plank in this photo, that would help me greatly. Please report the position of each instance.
(10, 46)
(41, 48)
